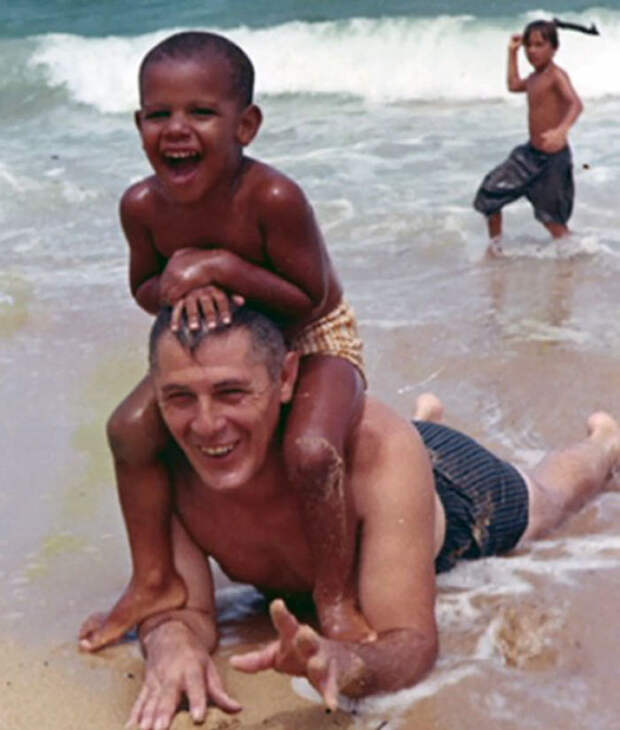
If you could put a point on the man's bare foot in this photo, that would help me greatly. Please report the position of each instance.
(134, 605)
(343, 621)
(428, 407)
(605, 430)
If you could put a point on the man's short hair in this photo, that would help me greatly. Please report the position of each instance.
(195, 45)
(267, 340)
(547, 29)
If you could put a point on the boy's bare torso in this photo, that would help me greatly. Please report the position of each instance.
(232, 221)
(546, 105)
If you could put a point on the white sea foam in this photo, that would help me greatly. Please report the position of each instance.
(459, 608)
(386, 59)
(368, 711)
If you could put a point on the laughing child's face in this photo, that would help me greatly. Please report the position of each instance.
(539, 50)
(192, 124)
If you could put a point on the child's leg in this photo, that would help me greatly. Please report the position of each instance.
(494, 225)
(137, 437)
(557, 230)
(328, 402)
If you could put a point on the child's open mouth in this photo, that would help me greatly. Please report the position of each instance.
(182, 162)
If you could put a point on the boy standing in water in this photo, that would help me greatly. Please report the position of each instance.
(209, 226)
(541, 170)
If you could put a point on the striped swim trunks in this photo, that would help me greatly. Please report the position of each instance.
(485, 498)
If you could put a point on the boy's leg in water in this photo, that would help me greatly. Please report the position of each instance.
(494, 226)
(557, 230)
(327, 404)
(137, 437)
(567, 478)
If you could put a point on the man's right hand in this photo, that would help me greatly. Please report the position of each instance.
(177, 665)
(330, 666)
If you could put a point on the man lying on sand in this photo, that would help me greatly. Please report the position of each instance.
(421, 498)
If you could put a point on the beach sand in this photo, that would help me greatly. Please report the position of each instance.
(55, 688)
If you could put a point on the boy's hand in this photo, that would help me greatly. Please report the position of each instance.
(553, 140)
(213, 304)
(300, 651)
(516, 41)
(187, 269)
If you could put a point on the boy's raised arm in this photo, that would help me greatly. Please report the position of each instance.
(513, 79)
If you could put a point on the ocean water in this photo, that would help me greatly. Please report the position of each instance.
(388, 114)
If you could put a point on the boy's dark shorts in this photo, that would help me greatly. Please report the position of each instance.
(546, 180)
(485, 498)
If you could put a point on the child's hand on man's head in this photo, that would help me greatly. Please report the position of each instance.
(209, 302)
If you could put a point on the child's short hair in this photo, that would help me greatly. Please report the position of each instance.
(547, 29)
(194, 44)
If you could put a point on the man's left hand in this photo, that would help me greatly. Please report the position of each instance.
(299, 650)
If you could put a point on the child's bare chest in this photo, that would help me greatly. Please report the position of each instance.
(238, 232)
(542, 92)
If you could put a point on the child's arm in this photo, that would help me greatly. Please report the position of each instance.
(145, 262)
(556, 139)
(293, 280)
(513, 79)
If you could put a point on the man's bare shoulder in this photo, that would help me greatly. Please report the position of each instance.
(384, 442)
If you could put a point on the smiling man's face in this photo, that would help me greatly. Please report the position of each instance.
(221, 405)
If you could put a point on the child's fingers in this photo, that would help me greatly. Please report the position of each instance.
(222, 304)
(176, 317)
(191, 311)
